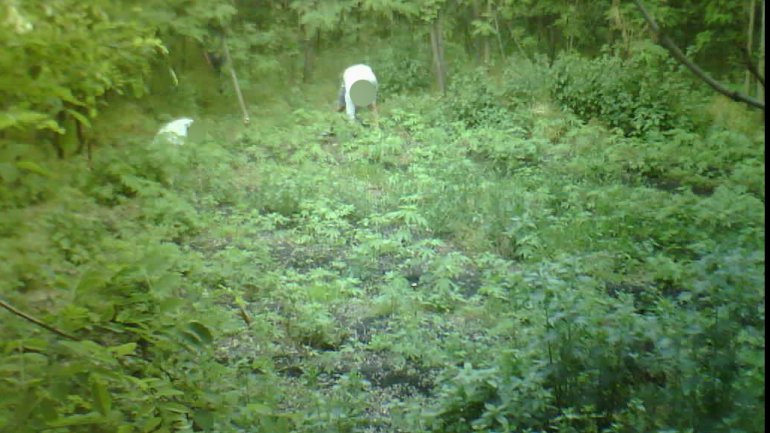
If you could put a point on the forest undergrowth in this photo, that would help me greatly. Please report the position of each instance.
(468, 265)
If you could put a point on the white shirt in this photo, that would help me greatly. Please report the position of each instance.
(360, 88)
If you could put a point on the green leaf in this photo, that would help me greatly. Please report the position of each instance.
(151, 424)
(174, 407)
(89, 349)
(123, 349)
(126, 428)
(102, 397)
(19, 118)
(37, 344)
(85, 419)
(79, 117)
(259, 409)
(201, 331)
(33, 167)
(191, 339)
(94, 279)
(204, 418)
(167, 392)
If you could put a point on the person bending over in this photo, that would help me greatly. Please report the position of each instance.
(358, 89)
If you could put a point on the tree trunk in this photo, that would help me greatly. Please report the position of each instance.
(617, 16)
(90, 152)
(499, 37)
(486, 38)
(749, 45)
(58, 148)
(760, 86)
(478, 49)
(58, 139)
(551, 32)
(437, 45)
(83, 140)
(309, 56)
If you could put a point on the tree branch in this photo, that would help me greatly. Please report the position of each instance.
(36, 321)
(679, 56)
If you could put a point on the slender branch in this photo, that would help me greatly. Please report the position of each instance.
(37, 322)
(752, 67)
(238, 93)
(245, 316)
(679, 55)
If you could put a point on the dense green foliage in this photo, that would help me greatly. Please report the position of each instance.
(570, 240)
(635, 95)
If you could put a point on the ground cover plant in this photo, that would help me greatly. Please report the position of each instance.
(570, 239)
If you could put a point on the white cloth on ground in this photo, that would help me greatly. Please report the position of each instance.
(175, 131)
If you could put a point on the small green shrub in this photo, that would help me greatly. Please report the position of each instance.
(401, 68)
(474, 99)
(526, 80)
(477, 97)
(640, 95)
(505, 150)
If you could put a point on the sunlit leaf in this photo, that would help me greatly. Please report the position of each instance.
(33, 167)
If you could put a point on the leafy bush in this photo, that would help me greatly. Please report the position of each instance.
(525, 80)
(477, 97)
(474, 99)
(401, 68)
(640, 95)
(57, 67)
(114, 281)
(504, 150)
(589, 363)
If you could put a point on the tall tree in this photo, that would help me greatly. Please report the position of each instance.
(431, 12)
(749, 45)
(760, 85)
(437, 46)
